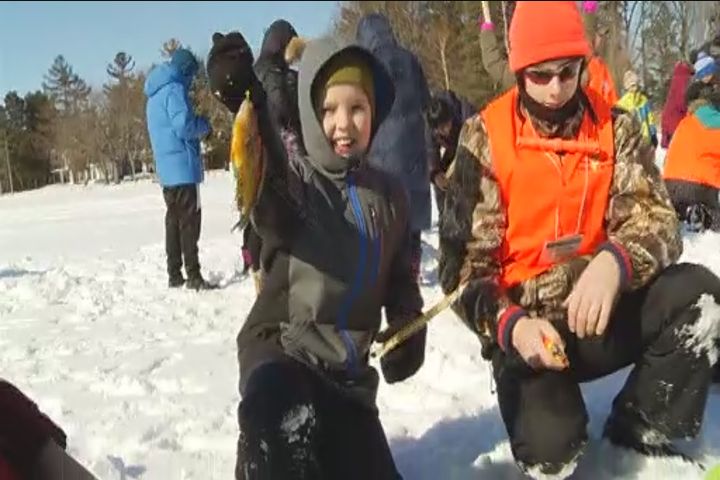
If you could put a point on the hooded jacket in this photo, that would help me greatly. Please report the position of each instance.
(336, 232)
(675, 107)
(174, 129)
(400, 146)
(693, 153)
(277, 78)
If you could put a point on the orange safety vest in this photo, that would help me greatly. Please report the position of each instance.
(601, 81)
(547, 198)
(694, 154)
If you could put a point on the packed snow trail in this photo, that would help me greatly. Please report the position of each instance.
(144, 379)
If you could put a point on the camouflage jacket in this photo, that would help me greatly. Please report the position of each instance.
(640, 221)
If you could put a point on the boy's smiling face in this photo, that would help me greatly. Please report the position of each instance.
(347, 119)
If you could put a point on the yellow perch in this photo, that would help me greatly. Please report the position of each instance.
(246, 157)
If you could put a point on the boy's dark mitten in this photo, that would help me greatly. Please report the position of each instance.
(407, 358)
(230, 69)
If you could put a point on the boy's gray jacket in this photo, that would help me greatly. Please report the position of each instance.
(336, 248)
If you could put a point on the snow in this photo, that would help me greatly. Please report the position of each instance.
(702, 336)
(300, 418)
(144, 379)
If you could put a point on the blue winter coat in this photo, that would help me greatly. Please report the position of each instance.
(175, 131)
(401, 145)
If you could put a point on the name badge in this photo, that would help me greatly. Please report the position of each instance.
(562, 249)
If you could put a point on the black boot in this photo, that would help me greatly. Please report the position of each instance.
(624, 432)
(197, 282)
(176, 281)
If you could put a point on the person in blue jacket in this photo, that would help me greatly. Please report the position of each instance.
(175, 132)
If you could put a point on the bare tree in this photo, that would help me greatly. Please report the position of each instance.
(121, 111)
(442, 34)
(441, 37)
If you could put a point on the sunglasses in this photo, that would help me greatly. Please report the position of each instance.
(543, 77)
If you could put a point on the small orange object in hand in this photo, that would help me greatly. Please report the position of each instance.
(556, 351)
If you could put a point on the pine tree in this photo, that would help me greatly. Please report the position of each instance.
(65, 87)
(120, 69)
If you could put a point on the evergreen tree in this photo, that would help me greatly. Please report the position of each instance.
(65, 87)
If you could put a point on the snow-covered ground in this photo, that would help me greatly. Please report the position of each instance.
(143, 378)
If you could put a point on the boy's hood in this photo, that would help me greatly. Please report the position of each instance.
(320, 154)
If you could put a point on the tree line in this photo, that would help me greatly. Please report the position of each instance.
(649, 37)
(69, 131)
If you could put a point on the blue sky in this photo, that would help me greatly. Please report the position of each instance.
(89, 34)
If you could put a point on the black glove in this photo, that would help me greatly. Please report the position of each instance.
(654, 140)
(230, 69)
(407, 358)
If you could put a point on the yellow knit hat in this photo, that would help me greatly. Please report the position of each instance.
(347, 68)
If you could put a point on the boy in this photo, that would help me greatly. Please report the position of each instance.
(338, 238)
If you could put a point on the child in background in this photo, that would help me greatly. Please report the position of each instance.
(637, 103)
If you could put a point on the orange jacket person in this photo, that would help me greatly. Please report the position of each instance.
(558, 225)
(692, 164)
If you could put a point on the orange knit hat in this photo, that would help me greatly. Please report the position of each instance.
(542, 31)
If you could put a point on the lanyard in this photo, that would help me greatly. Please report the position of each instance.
(582, 148)
(556, 164)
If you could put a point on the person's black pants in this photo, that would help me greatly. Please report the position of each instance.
(685, 195)
(656, 330)
(295, 426)
(182, 230)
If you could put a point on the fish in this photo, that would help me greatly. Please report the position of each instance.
(556, 351)
(246, 158)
